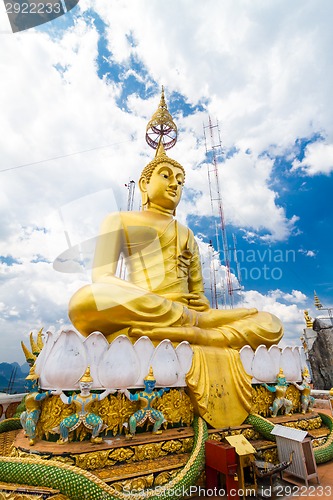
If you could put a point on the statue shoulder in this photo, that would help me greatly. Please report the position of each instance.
(184, 230)
(186, 234)
(117, 220)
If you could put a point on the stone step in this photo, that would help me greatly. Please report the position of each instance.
(134, 469)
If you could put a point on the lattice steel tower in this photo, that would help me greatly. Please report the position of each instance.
(214, 153)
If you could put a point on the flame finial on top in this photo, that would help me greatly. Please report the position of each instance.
(150, 377)
(161, 127)
(86, 377)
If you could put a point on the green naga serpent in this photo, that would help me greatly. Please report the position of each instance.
(76, 483)
(323, 453)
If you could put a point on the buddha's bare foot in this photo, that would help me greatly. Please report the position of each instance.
(219, 317)
(175, 334)
(191, 334)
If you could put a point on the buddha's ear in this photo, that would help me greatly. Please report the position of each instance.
(143, 189)
(143, 184)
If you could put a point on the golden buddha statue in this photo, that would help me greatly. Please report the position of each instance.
(163, 296)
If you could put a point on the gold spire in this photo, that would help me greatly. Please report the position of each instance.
(150, 377)
(40, 343)
(281, 373)
(305, 372)
(161, 127)
(160, 151)
(34, 346)
(86, 377)
(317, 302)
(308, 320)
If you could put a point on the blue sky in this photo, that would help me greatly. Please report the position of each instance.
(76, 96)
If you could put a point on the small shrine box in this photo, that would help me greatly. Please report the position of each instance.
(246, 475)
(221, 458)
(294, 441)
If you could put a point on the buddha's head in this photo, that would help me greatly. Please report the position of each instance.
(161, 182)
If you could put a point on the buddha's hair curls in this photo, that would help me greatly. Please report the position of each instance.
(149, 169)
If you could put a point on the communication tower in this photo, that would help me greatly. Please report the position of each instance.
(130, 199)
(212, 273)
(237, 265)
(214, 153)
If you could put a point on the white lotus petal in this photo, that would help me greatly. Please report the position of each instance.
(165, 364)
(120, 366)
(302, 355)
(262, 369)
(288, 365)
(184, 354)
(275, 355)
(246, 355)
(96, 346)
(298, 364)
(42, 357)
(144, 349)
(66, 362)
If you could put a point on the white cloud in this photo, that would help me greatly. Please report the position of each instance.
(318, 159)
(291, 315)
(308, 253)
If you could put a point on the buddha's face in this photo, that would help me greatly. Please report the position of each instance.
(165, 186)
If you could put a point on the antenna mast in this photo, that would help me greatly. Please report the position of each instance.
(130, 200)
(214, 152)
(212, 272)
(131, 188)
(238, 268)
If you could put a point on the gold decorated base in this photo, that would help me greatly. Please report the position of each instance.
(147, 460)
